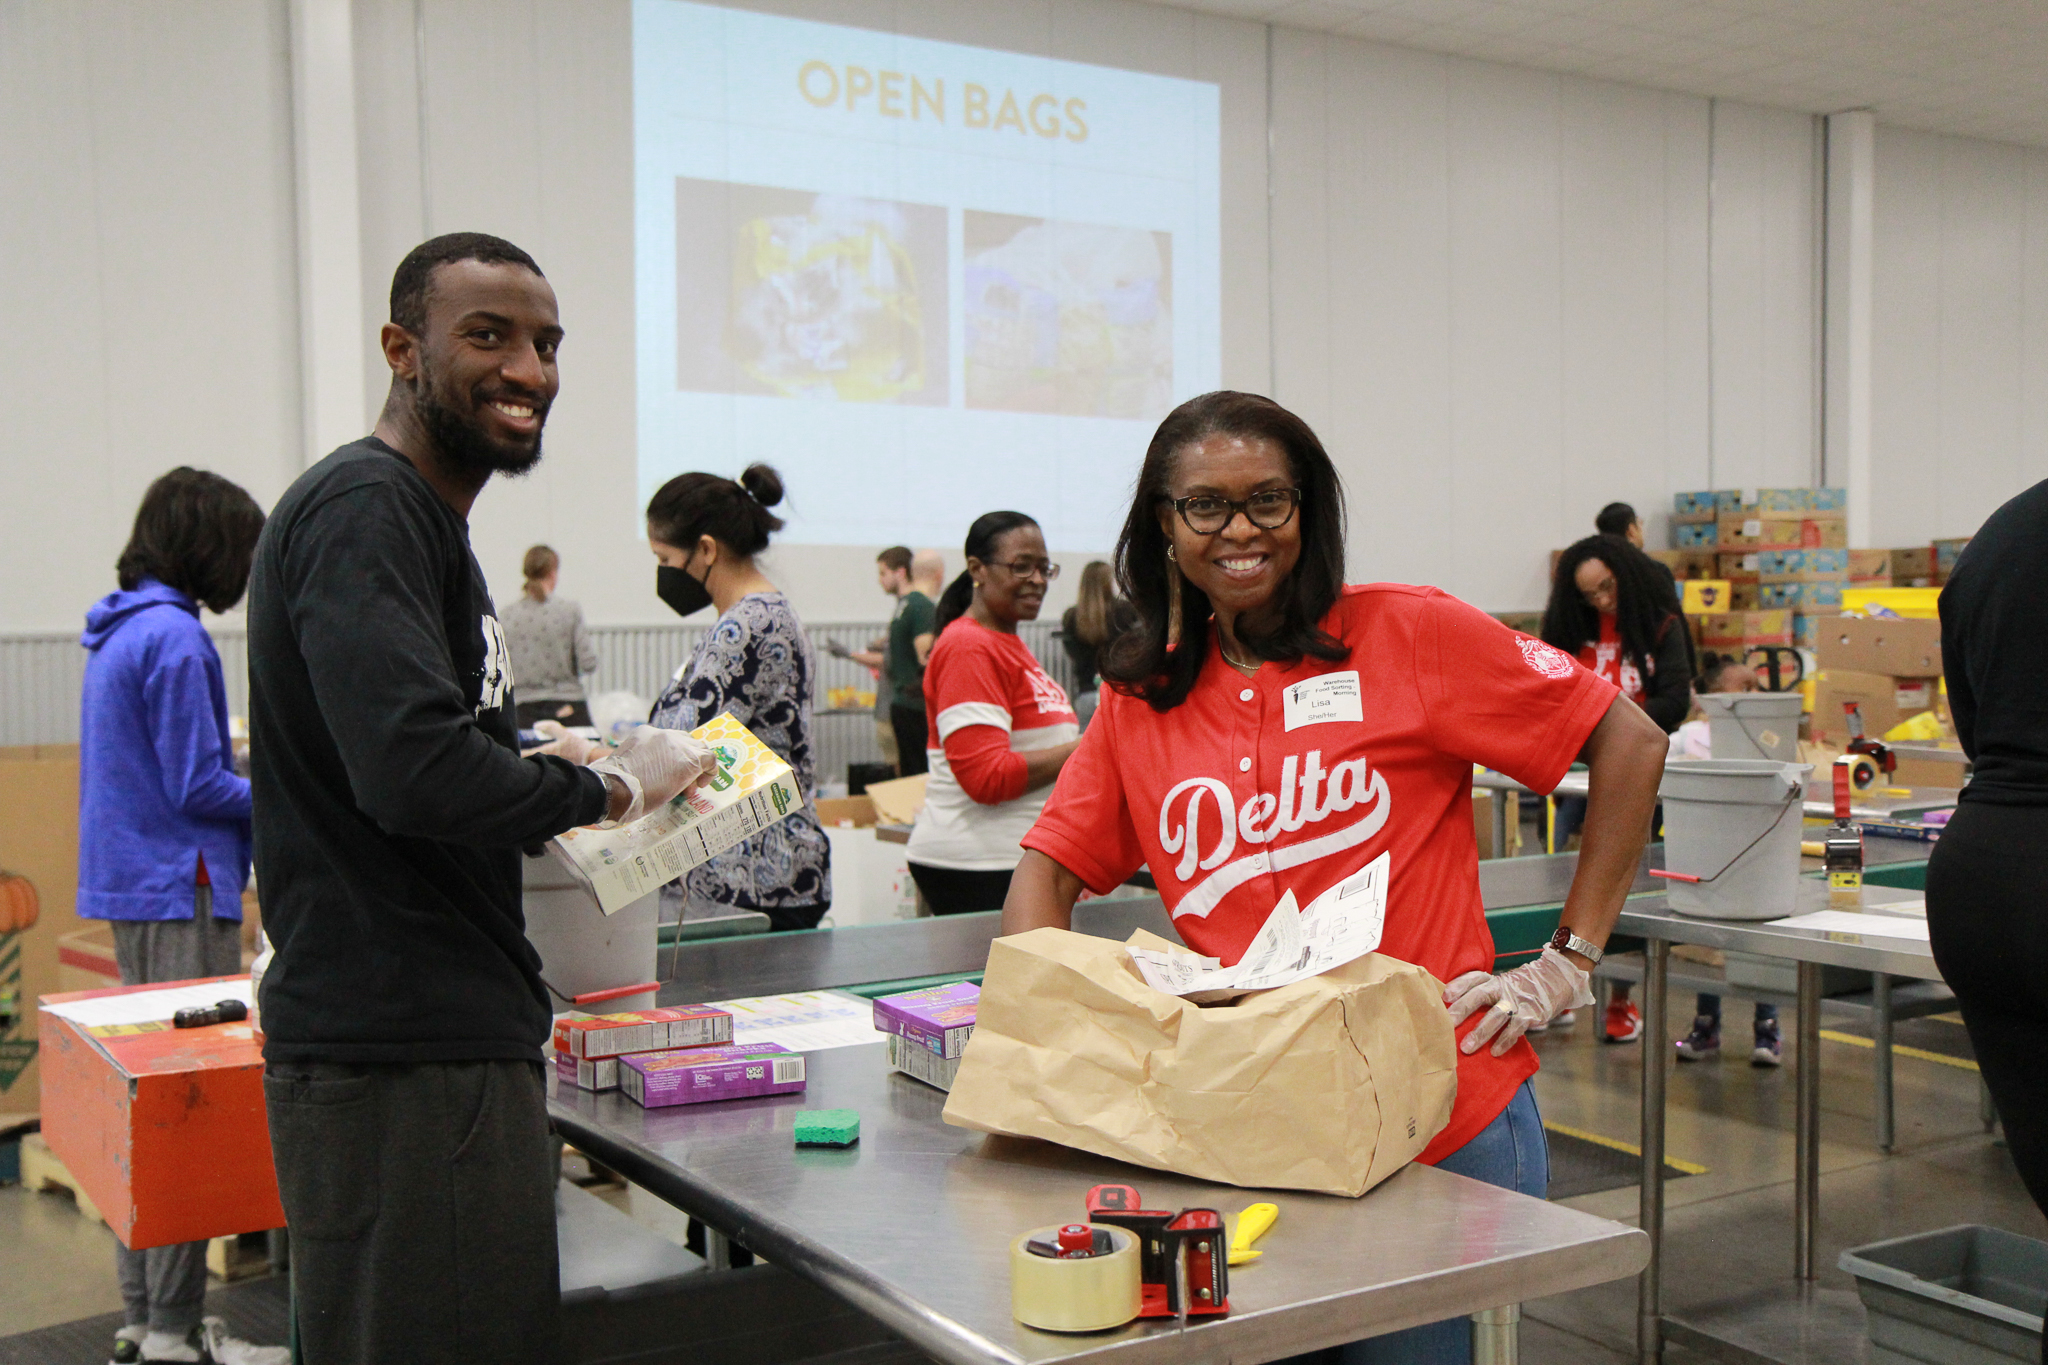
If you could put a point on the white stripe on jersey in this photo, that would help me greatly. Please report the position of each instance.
(968, 713)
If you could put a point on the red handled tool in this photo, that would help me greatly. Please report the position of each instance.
(1183, 1259)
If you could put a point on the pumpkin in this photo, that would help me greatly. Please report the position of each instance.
(19, 905)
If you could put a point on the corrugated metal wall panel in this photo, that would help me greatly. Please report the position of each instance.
(41, 676)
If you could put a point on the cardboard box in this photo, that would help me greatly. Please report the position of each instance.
(1731, 630)
(938, 1018)
(1870, 567)
(1700, 595)
(1883, 700)
(898, 800)
(1806, 630)
(1745, 596)
(1777, 501)
(1824, 532)
(164, 1128)
(1482, 822)
(38, 840)
(701, 1075)
(1686, 506)
(1810, 598)
(1828, 499)
(1759, 532)
(1946, 552)
(587, 1074)
(1822, 565)
(1912, 567)
(1738, 566)
(1686, 565)
(1895, 648)
(1916, 603)
(612, 1035)
(1780, 566)
(1686, 535)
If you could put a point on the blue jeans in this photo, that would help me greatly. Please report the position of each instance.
(1510, 1152)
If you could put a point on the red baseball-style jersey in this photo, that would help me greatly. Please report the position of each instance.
(1301, 776)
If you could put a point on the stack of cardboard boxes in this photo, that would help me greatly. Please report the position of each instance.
(1891, 669)
(1783, 555)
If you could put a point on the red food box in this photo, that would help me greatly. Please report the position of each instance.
(613, 1035)
(163, 1128)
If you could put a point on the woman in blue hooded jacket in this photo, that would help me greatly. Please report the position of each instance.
(163, 820)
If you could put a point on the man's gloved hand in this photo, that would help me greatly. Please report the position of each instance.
(1516, 1001)
(563, 744)
(656, 766)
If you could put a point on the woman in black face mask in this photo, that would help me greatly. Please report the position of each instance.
(756, 663)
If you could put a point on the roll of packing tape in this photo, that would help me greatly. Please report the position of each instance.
(1084, 1294)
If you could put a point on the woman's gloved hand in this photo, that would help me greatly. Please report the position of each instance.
(656, 766)
(563, 744)
(1533, 993)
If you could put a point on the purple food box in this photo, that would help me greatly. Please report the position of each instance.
(698, 1075)
(939, 1019)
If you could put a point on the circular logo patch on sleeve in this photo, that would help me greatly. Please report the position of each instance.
(1548, 660)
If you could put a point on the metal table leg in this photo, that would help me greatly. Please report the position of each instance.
(1656, 1057)
(717, 1249)
(1881, 1076)
(1495, 1333)
(1806, 1160)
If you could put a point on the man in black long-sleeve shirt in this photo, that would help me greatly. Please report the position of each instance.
(404, 1012)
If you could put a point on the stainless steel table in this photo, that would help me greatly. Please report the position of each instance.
(913, 1225)
(1652, 919)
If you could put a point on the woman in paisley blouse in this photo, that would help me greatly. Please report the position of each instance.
(756, 663)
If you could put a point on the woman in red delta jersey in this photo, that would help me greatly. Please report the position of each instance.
(1612, 606)
(1000, 728)
(1267, 729)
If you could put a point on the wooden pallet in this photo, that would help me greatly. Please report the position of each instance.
(40, 1170)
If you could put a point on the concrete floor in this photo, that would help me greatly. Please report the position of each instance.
(1729, 1230)
(1728, 1233)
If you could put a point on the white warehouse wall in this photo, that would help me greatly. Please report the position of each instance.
(147, 273)
(1505, 298)
(1960, 355)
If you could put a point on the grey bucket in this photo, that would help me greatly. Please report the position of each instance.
(1963, 1296)
(1753, 725)
(1734, 825)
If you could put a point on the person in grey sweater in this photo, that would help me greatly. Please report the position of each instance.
(551, 649)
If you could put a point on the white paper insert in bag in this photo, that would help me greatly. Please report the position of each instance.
(1338, 926)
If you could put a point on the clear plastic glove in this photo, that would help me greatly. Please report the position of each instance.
(656, 766)
(1515, 1002)
(563, 744)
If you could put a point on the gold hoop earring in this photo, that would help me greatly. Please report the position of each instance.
(1170, 557)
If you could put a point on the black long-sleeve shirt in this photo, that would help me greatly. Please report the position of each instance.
(390, 799)
(1994, 649)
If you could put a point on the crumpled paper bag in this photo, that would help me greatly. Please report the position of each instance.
(1330, 1084)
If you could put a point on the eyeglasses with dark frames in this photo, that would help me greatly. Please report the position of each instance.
(1206, 514)
(1026, 568)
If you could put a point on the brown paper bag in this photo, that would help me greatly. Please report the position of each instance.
(1330, 1084)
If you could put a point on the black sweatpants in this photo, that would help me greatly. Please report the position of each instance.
(421, 1200)
(952, 891)
(911, 738)
(1987, 883)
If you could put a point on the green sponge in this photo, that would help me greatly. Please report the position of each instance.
(827, 1127)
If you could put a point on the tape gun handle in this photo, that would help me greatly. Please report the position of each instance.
(1113, 1199)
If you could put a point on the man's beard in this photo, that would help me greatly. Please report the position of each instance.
(460, 443)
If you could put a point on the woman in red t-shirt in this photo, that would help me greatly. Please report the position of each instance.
(1000, 727)
(1265, 729)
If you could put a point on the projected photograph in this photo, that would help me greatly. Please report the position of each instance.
(803, 295)
(1070, 319)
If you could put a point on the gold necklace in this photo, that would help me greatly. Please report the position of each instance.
(1244, 668)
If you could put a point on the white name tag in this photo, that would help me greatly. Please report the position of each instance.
(1334, 696)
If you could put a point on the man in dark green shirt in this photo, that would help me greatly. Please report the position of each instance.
(911, 632)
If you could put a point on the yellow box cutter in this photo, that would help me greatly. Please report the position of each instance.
(1251, 1225)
